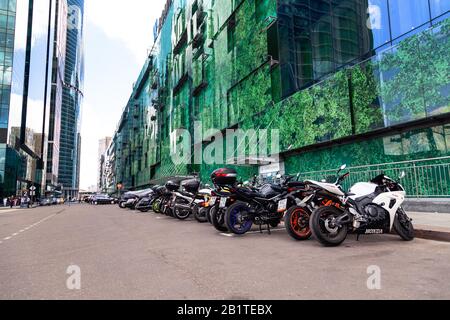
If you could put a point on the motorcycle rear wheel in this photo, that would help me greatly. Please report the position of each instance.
(200, 214)
(233, 219)
(297, 223)
(403, 226)
(320, 228)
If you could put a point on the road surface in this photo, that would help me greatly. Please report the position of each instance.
(121, 254)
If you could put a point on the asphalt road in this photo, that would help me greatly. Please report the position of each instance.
(125, 255)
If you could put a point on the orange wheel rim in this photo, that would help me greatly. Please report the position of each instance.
(300, 222)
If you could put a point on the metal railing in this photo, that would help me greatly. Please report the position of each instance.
(427, 178)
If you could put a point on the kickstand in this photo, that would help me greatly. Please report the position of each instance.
(260, 229)
(357, 237)
(268, 229)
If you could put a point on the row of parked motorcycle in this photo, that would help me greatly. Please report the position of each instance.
(309, 208)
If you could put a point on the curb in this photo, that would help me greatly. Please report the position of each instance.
(432, 233)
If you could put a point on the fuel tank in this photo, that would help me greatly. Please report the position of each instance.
(362, 189)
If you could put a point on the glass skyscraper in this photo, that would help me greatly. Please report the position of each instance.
(72, 99)
(10, 168)
(27, 31)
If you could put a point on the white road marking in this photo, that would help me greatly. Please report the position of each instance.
(230, 235)
(28, 228)
(227, 235)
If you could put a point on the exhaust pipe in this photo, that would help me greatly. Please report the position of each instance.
(182, 207)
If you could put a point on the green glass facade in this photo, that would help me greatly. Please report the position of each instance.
(344, 81)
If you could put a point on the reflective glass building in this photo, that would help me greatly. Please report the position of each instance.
(72, 99)
(54, 131)
(27, 31)
(361, 82)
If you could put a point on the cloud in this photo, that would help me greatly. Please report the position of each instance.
(129, 21)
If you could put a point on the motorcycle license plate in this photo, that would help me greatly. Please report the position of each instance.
(213, 201)
(282, 205)
(223, 203)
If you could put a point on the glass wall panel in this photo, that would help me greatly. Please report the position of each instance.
(439, 7)
(378, 22)
(406, 15)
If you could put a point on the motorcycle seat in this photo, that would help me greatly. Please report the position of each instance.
(295, 184)
(222, 194)
(187, 194)
(254, 194)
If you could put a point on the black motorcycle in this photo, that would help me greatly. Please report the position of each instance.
(145, 203)
(162, 195)
(263, 206)
(185, 201)
(223, 195)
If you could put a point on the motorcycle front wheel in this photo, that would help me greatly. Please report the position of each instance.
(235, 218)
(181, 214)
(208, 215)
(297, 223)
(218, 219)
(322, 228)
(403, 226)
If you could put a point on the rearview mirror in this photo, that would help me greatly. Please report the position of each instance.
(402, 175)
(344, 167)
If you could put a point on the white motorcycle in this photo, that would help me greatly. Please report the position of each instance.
(373, 207)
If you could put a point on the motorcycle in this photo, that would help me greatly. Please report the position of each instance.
(373, 207)
(159, 196)
(202, 208)
(186, 199)
(145, 203)
(224, 195)
(123, 202)
(263, 206)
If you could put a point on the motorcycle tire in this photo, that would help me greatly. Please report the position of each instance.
(296, 222)
(403, 226)
(157, 206)
(180, 214)
(231, 219)
(208, 215)
(217, 219)
(320, 231)
(200, 214)
(122, 205)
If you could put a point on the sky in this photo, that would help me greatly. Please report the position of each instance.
(117, 36)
